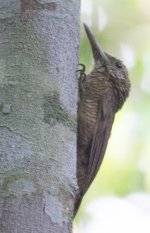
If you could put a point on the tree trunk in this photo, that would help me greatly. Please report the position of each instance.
(39, 42)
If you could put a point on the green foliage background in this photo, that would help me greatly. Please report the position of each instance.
(123, 30)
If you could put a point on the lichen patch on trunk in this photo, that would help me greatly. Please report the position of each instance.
(55, 112)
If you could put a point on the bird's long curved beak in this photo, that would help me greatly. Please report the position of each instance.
(98, 54)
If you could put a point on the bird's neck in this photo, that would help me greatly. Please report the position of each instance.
(121, 91)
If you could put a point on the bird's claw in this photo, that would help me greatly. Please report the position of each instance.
(82, 71)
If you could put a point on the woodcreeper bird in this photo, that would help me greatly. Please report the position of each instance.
(101, 94)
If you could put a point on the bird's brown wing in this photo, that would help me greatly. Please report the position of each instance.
(105, 118)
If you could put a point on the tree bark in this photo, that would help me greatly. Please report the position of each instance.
(39, 43)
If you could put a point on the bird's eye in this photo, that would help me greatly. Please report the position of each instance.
(118, 65)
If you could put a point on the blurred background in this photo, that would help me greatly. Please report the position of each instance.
(118, 200)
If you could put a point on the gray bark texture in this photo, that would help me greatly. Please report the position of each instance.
(39, 43)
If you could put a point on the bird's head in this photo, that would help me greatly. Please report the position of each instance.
(114, 68)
